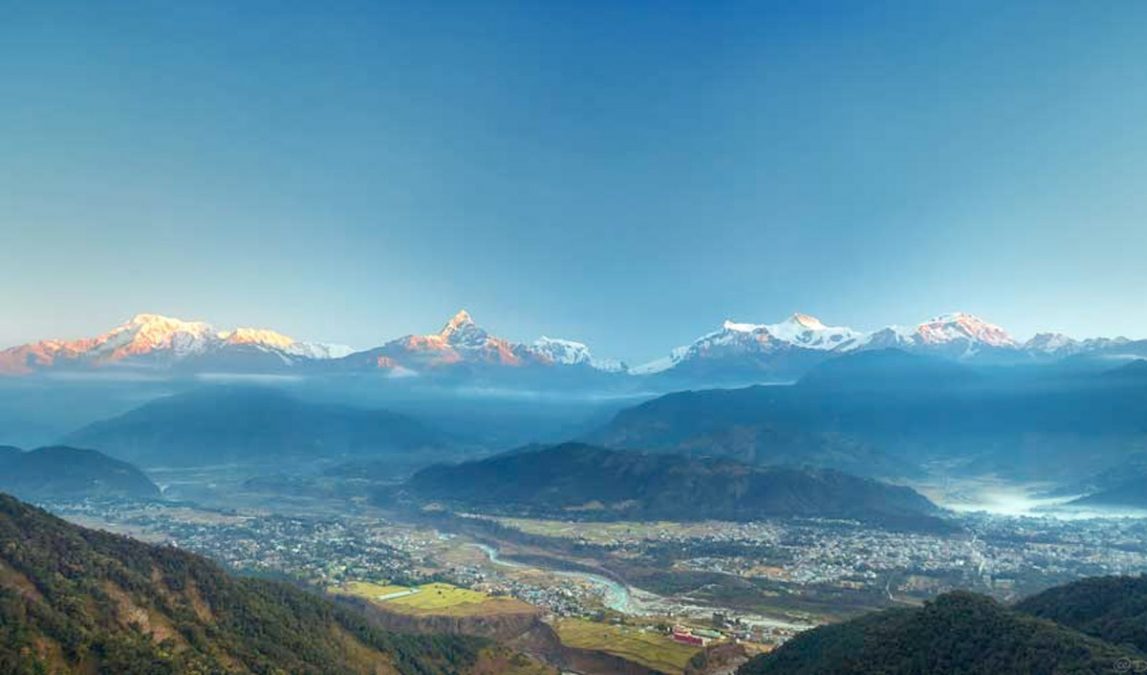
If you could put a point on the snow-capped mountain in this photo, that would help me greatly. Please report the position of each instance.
(570, 353)
(462, 342)
(761, 346)
(957, 335)
(747, 351)
(736, 353)
(159, 342)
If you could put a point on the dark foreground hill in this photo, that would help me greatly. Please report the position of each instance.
(63, 472)
(253, 425)
(1113, 609)
(78, 600)
(596, 483)
(956, 634)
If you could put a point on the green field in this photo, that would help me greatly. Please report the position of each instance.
(436, 599)
(433, 597)
(650, 649)
(368, 590)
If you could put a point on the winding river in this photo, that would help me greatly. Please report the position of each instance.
(615, 596)
(627, 600)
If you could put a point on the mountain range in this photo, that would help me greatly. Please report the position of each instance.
(736, 353)
(253, 424)
(154, 342)
(880, 413)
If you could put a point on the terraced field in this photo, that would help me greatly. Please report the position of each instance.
(649, 649)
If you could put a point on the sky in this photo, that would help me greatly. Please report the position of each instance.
(628, 174)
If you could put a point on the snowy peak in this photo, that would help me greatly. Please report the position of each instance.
(758, 343)
(461, 341)
(459, 323)
(564, 352)
(257, 336)
(1052, 343)
(961, 326)
(155, 340)
(799, 330)
(801, 337)
(570, 353)
(805, 321)
(809, 332)
(146, 333)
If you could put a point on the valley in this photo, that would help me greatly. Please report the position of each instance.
(757, 583)
(618, 531)
(573, 338)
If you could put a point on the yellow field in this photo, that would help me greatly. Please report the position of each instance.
(436, 599)
(652, 650)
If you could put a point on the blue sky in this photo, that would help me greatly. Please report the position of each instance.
(628, 174)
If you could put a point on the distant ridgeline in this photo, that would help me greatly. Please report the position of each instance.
(882, 413)
(70, 473)
(1092, 626)
(226, 424)
(582, 481)
(83, 601)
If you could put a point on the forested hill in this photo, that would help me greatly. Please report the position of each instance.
(63, 472)
(78, 600)
(1113, 609)
(577, 480)
(958, 632)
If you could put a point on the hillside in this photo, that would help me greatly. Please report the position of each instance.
(253, 424)
(63, 472)
(1113, 609)
(957, 633)
(597, 483)
(890, 411)
(78, 600)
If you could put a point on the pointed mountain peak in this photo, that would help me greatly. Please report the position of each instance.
(457, 322)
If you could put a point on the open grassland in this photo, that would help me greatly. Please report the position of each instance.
(434, 599)
(369, 590)
(652, 650)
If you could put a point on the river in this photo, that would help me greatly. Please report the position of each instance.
(615, 596)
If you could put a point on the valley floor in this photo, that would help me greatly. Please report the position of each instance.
(756, 583)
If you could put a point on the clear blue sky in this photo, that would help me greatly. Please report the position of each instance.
(625, 173)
